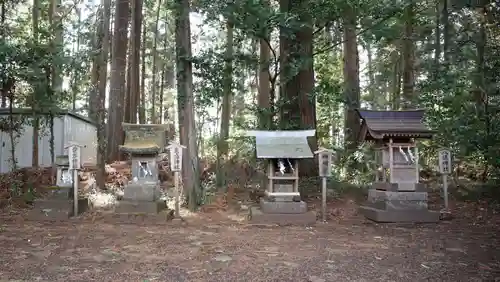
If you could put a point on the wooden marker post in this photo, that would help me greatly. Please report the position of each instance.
(445, 169)
(74, 156)
(176, 166)
(325, 170)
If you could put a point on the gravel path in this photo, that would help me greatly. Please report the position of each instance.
(351, 250)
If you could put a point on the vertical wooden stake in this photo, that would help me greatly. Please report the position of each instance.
(445, 190)
(177, 200)
(75, 192)
(323, 199)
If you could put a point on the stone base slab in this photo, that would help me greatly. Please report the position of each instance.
(283, 207)
(396, 205)
(56, 209)
(395, 187)
(139, 207)
(141, 192)
(414, 216)
(378, 195)
(256, 216)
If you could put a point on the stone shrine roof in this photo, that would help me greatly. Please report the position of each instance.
(291, 144)
(144, 139)
(393, 124)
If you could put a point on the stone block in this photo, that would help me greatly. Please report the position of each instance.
(283, 207)
(395, 187)
(286, 188)
(256, 216)
(413, 216)
(56, 209)
(141, 192)
(396, 205)
(139, 207)
(60, 193)
(378, 195)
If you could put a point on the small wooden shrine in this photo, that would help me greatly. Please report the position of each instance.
(396, 194)
(283, 150)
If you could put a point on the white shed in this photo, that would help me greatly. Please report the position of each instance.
(68, 127)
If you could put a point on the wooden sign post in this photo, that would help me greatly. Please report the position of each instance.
(75, 161)
(445, 169)
(325, 170)
(176, 166)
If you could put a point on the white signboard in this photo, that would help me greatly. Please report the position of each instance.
(175, 156)
(324, 162)
(74, 154)
(444, 162)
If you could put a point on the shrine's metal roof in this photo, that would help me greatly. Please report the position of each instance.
(393, 124)
(290, 144)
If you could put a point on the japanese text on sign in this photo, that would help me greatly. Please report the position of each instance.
(176, 158)
(325, 164)
(444, 161)
(74, 157)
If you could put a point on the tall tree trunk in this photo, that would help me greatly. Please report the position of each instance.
(264, 91)
(299, 106)
(154, 54)
(135, 59)
(351, 81)
(142, 102)
(117, 80)
(408, 58)
(446, 35)
(128, 98)
(3, 80)
(222, 145)
(100, 86)
(185, 102)
(97, 42)
(76, 72)
(36, 90)
(371, 77)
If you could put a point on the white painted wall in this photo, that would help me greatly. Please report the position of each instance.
(66, 128)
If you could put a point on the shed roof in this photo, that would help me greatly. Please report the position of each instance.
(386, 124)
(290, 144)
(60, 112)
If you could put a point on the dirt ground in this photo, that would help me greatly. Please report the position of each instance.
(215, 248)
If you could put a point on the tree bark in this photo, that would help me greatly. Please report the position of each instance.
(142, 102)
(155, 56)
(100, 86)
(222, 144)
(351, 80)
(117, 80)
(185, 102)
(135, 59)
(408, 58)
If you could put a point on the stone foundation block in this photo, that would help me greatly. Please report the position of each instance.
(395, 187)
(141, 192)
(256, 216)
(414, 216)
(139, 207)
(283, 207)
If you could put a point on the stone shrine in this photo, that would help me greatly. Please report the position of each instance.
(143, 142)
(282, 203)
(396, 194)
(58, 203)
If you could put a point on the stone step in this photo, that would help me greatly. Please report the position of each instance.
(256, 216)
(283, 207)
(141, 192)
(56, 209)
(139, 207)
(414, 216)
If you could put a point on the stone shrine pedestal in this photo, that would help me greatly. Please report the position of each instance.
(282, 210)
(398, 206)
